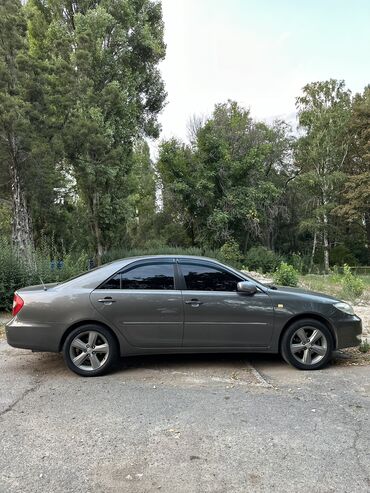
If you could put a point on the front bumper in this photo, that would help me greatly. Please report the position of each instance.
(348, 332)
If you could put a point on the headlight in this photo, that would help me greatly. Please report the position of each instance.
(344, 307)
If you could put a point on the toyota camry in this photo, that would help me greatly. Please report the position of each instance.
(177, 304)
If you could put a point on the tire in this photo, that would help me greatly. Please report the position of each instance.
(307, 344)
(90, 350)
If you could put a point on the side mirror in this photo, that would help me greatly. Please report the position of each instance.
(246, 287)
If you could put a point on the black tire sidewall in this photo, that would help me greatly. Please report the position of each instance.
(113, 350)
(285, 344)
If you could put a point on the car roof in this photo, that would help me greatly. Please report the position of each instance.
(96, 276)
(164, 256)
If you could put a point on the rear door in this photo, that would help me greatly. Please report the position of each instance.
(143, 303)
(216, 315)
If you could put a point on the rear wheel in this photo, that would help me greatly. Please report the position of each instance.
(90, 350)
(307, 345)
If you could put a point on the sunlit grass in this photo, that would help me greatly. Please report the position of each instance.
(331, 284)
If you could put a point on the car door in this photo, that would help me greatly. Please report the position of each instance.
(216, 315)
(144, 304)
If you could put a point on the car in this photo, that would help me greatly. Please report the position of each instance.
(177, 304)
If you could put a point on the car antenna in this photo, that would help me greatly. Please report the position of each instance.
(43, 285)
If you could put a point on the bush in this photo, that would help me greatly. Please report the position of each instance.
(352, 286)
(156, 249)
(16, 272)
(262, 259)
(340, 255)
(364, 346)
(230, 253)
(300, 262)
(286, 275)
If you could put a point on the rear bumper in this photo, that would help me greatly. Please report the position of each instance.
(348, 332)
(38, 337)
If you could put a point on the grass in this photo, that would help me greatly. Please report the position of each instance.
(331, 284)
(365, 346)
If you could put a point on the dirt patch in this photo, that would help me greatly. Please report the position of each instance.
(264, 278)
(351, 357)
(4, 318)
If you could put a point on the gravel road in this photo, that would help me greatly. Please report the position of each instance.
(182, 424)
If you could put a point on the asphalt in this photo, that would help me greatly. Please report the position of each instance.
(182, 424)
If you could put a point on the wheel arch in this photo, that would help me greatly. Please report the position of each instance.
(86, 322)
(313, 316)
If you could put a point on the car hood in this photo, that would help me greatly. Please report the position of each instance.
(303, 293)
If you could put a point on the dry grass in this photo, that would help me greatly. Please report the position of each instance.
(4, 317)
(351, 357)
(331, 284)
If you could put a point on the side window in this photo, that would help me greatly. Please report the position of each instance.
(149, 276)
(201, 277)
(112, 283)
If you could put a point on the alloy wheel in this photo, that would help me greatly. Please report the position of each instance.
(308, 345)
(89, 350)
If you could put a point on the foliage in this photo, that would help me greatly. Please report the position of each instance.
(355, 203)
(341, 254)
(324, 111)
(286, 275)
(299, 262)
(364, 346)
(17, 272)
(230, 253)
(352, 285)
(262, 259)
(225, 185)
(80, 93)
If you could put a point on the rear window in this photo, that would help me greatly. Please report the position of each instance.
(148, 276)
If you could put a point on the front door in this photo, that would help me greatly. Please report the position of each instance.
(216, 315)
(142, 302)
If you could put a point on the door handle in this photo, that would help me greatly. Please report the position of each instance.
(107, 300)
(194, 303)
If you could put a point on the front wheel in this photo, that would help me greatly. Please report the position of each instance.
(90, 350)
(307, 345)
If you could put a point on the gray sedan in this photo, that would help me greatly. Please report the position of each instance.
(177, 304)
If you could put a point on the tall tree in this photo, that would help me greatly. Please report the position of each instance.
(15, 127)
(225, 186)
(355, 203)
(323, 112)
(104, 54)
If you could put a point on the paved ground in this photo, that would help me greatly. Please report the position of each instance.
(182, 424)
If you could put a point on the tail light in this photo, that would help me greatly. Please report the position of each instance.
(17, 304)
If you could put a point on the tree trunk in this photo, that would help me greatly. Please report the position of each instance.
(367, 227)
(325, 233)
(314, 244)
(96, 230)
(22, 237)
(326, 243)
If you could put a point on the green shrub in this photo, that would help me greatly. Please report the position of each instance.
(16, 272)
(230, 253)
(286, 275)
(157, 249)
(364, 346)
(352, 286)
(300, 262)
(262, 259)
(340, 255)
